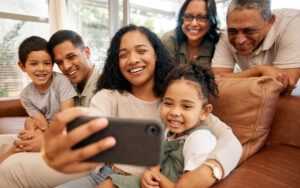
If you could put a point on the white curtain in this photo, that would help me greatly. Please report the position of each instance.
(58, 15)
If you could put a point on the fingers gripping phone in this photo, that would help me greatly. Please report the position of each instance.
(139, 142)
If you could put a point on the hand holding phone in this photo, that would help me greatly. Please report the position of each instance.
(139, 142)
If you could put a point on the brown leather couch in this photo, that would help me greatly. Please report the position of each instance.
(12, 116)
(268, 126)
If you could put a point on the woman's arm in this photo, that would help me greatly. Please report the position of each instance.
(228, 149)
(198, 178)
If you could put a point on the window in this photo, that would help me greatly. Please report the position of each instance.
(89, 18)
(18, 20)
(275, 4)
(159, 16)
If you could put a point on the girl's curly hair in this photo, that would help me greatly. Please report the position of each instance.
(112, 78)
(196, 73)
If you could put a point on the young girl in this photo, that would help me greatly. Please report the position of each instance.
(185, 104)
(129, 87)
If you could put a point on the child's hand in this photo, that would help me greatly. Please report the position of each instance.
(27, 135)
(155, 168)
(150, 179)
(31, 125)
(30, 145)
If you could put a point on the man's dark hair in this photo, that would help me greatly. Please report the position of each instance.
(112, 78)
(213, 32)
(63, 35)
(33, 43)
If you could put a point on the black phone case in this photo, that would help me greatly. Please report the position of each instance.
(139, 142)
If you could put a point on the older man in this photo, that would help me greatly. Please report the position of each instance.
(260, 42)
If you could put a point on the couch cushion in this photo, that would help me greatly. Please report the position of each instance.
(247, 105)
(11, 125)
(273, 166)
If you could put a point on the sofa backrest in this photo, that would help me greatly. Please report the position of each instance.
(248, 106)
(286, 122)
(12, 108)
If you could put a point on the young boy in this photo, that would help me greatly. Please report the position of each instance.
(48, 93)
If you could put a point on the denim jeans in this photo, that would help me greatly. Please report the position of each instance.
(95, 178)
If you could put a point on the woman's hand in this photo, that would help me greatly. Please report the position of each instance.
(56, 148)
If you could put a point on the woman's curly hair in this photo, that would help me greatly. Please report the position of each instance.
(195, 72)
(112, 78)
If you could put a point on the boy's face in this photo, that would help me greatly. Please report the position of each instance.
(38, 67)
(72, 61)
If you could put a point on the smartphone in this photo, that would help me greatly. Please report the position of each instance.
(139, 141)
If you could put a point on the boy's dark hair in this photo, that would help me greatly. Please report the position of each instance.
(63, 35)
(33, 43)
(112, 78)
(213, 32)
(195, 72)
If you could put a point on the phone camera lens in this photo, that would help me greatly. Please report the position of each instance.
(152, 130)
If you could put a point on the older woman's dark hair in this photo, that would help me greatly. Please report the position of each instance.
(112, 78)
(213, 32)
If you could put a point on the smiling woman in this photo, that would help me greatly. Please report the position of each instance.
(196, 33)
(137, 61)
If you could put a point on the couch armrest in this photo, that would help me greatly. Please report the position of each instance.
(12, 108)
(286, 123)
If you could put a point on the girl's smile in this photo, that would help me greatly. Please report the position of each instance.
(182, 106)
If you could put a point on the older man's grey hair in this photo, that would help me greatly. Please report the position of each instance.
(263, 6)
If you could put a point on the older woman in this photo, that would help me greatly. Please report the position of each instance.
(196, 32)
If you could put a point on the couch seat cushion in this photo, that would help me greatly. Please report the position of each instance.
(11, 125)
(273, 166)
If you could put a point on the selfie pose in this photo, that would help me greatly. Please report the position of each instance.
(185, 105)
(130, 86)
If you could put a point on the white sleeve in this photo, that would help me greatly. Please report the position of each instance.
(228, 149)
(223, 56)
(103, 103)
(196, 148)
